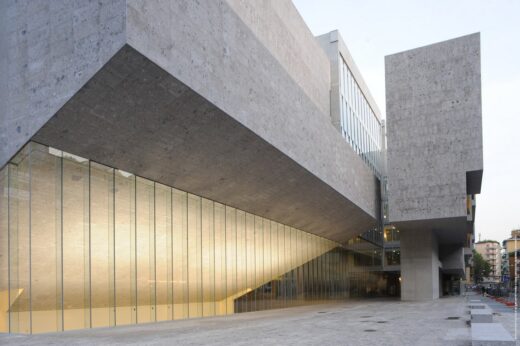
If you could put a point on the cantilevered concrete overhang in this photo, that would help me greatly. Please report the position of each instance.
(199, 96)
(435, 137)
(452, 230)
(134, 116)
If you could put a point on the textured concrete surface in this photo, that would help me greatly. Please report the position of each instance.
(136, 117)
(452, 258)
(434, 128)
(48, 51)
(419, 266)
(288, 39)
(372, 322)
(233, 56)
(208, 47)
(433, 98)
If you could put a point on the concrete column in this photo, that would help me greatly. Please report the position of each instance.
(419, 265)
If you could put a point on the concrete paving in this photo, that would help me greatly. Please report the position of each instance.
(372, 322)
(506, 316)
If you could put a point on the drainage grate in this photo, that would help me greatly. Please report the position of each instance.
(322, 312)
(452, 318)
(370, 330)
(382, 321)
(365, 316)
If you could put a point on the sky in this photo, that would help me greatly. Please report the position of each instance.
(372, 29)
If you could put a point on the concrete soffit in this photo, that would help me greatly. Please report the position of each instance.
(134, 116)
(449, 231)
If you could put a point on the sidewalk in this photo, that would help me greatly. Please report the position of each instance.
(505, 315)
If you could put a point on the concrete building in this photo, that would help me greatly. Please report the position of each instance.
(491, 252)
(168, 160)
(434, 128)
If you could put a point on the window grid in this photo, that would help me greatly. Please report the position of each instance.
(359, 124)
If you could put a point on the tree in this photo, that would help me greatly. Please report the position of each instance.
(481, 268)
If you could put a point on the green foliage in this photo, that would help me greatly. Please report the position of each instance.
(481, 267)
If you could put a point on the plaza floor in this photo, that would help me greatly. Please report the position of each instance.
(367, 322)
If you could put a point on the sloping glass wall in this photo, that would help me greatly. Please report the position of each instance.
(83, 245)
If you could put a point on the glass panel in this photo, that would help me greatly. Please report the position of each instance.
(4, 250)
(19, 243)
(250, 259)
(45, 228)
(102, 245)
(208, 258)
(163, 253)
(306, 269)
(392, 257)
(267, 265)
(76, 283)
(134, 251)
(259, 262)
(231, 257)
(220, 259)
(180, 254)
(125, 249)
(274, 264)
(300, 264)
(282, 267)
(288, 266)
(194, 256)
(241, 260)
(294, 267)
(145, 258)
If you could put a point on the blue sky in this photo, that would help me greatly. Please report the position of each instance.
(373, 29)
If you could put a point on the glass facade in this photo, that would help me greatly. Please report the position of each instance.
(391, 234)
(83, 245)
(359, 125)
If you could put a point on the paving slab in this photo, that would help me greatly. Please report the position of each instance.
(481, 315)
(477, 306)
(490, 334)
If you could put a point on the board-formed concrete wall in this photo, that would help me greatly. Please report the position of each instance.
(48, 51)
(433, 98)
(288, 39)
(419, 265)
